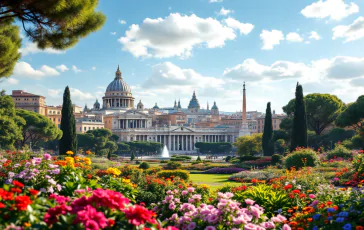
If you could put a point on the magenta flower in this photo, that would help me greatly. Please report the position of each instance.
(249, 201)
(286, 227)
(312, 196)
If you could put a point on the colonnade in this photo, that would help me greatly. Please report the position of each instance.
(119, 103)
(132, 123)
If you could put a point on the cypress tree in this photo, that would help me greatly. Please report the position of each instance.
(267, 144)
(68, 141)
(299, 129)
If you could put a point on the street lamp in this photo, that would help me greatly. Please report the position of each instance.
(30, 146)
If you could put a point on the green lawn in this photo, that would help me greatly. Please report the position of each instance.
(213, 180)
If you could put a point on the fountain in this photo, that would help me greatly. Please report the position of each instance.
(165, 152)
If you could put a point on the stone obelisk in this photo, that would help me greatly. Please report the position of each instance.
(244, 129)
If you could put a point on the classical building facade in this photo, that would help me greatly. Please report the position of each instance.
(175, 127)
(29, 101)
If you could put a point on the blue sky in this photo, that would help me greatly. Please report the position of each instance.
(168, 48)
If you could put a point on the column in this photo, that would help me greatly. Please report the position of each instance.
(174, 142)
(186, 144)
(178, 142)
(169, 143)
(191, 146)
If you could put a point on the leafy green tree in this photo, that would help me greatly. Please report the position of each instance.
(132, 157)
(37, 127)
(217, 147)
(85, 140)
(322, 110)
(249, 145)
(114, 138)
(280, 134)
(49, 23)
(353, 115)
(123, 147)
(111, 148)
(280, 146)
(10, 123)
(68, 141)
(299, 130)
(10, 43)
(267, 144)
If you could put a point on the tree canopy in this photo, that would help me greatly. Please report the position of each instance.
(37, 127)
(321, 109)
(57, 24)
(249, 145)
(10, 123)
(217, 147)
(299, 128)
(267, 144)
(353, 115)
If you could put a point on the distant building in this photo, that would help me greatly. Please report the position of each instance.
(276, 121)
(85, 124)
(29, 101)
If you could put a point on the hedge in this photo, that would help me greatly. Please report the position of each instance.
(183, 174)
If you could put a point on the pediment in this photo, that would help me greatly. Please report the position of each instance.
(134, 113)
(182, 130)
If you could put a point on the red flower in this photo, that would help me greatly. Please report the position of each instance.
(15, 190)
(18, 184)
(110, 222)
(288, 186)
(254, 181)
(22, 202)
(138, 215)
(296, 191)
(33, 192)
(5, 195)
(2, 205)
(328, 203)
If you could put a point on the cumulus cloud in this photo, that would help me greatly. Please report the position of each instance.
(122, 22)
(79, 95)
(294, 37)
(225, 12)
(31, 48)
(314, 36)
(113, 33)
(75, 69)
(62, 68)
(12, 81)
(24, 69)
(271, 38)
(244, 28)
(350, 32)
(343, 67)
(358, 82)
(169, 74)
(175, 35)
(333, 9)
(54, 93)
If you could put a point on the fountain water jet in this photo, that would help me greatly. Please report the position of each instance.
(165, 152)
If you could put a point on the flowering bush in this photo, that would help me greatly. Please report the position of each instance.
(301, 157)
(183, 174)
(339, 152)
(185, 210)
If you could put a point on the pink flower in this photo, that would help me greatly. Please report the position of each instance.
(255, 211)
(212, 218)
(250, 226)
(210, 228)
(281, 218)
(191, 189)
(172, 206)
(46, 156)
(91, 218)
(249, 201)
(286, 227)
(312, 196)
(184, 192)
(336, 179)
(191, 226)
(268, 225)
(80, 191)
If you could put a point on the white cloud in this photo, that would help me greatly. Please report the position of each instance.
(75, 69)
(175, 35)
(244, 28)
(343, 67)
(333, 9)
(62, 68)
(294, 37)
(113, 33)
(24, 69)
(93, 68)
(122, 22)
(213, 1)
(12, 81)
(350, 32)
(79, 95)
(314, 35)
(31, 48)
(54, 93)
(225, 12)
(358, 82)
(271, 38)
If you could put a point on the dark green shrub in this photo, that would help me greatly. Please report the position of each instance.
(144, 165)
(198, 159)
(228, 158)
(177, 159)
(153, 170)
(183, 174)
(276, 159)
(173, 165)
(163, 161)
(300, 158)
(248, 158)
(339, 151)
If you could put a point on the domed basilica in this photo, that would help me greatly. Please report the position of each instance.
(175, 127)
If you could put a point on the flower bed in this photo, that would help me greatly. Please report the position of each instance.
(223, 170)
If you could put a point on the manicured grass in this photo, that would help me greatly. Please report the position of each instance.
(213, 180)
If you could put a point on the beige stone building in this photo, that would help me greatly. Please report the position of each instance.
(29, 101)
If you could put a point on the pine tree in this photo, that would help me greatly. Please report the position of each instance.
(267, 144)
(299, 130)
(68, 141)
(132, 157)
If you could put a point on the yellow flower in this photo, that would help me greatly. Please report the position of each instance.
(77, 158)
(69, 153)
(26, 224)
(113, 171)
(87, 160)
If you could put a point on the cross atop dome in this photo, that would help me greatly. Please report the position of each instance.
(118, 73)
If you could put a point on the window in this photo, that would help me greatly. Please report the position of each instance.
(59, 119)
(59, 126)
(54, 119)
(80, 129)
(84, 128)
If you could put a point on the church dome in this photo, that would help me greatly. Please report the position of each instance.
(97, 103)
(214, 106)
(156, 106)
(118, 84)
(194, 104)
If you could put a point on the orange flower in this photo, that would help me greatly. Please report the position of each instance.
(293, 223)
(359, 228)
